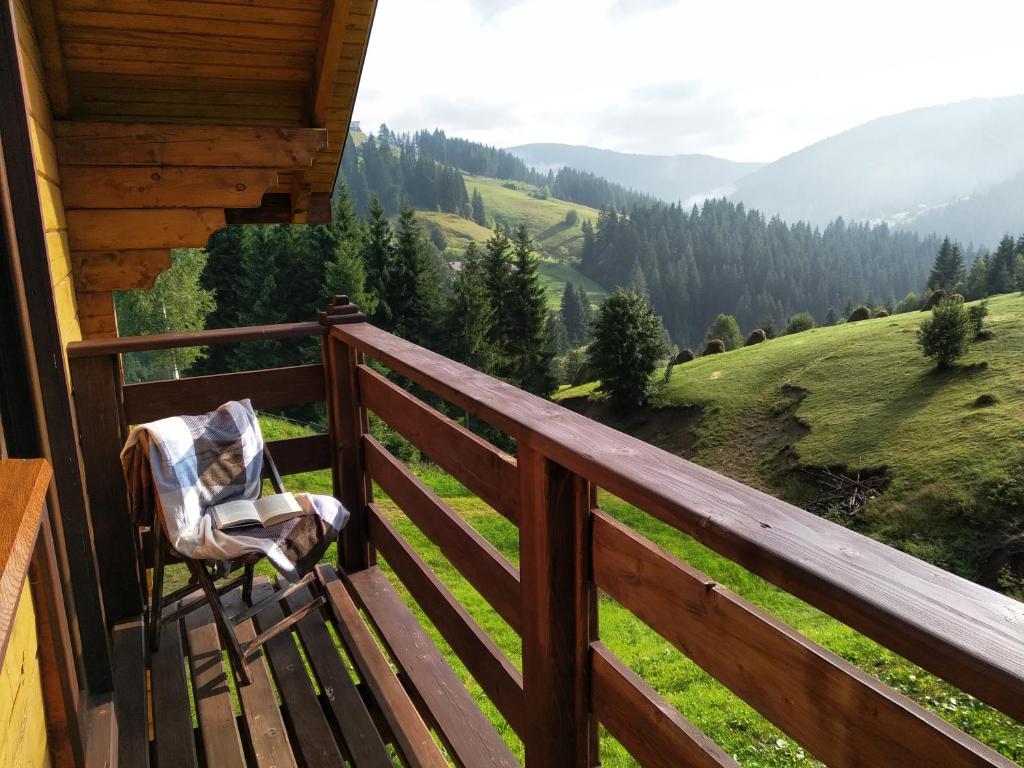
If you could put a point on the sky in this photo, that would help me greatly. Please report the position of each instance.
(741, 79)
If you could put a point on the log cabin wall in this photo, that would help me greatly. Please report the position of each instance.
(23, 741)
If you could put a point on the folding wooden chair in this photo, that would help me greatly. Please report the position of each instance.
(203, 579)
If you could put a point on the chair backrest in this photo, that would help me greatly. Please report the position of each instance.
(270, 470)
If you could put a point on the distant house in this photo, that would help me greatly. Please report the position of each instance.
(455, 266)
(354, 127)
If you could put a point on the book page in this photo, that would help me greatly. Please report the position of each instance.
(277, 508)
(232, 514)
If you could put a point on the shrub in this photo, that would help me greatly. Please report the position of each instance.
(909, 303)
(860, 313)
(985, 401)
(933, 300)
(799, 323)
(977, 315)
(572, 218)
(628, 342)
(757, 336)
(880, 312)
(946, 334)
(684, 356)
(713, 347)
(726, 329)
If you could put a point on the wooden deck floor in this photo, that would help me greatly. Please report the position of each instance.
(326, 694)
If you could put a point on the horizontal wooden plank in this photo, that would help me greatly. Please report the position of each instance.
(967, 634)
(842, 715)
(118, 270)
(164, 187)
(275, 115)
(486, 471)
(468, 734)
(650, 728)
(73, 34)
(129, 230)
(157, 341)
(251, 13)
(301, 454)
(117, 50)
(270, 388)
(190, 69)
(498, 678)
(98, 143)
(411, 734)
(213, 28)
(484, 567)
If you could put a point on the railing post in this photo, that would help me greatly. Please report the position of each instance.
(347, 423)
(559, 612)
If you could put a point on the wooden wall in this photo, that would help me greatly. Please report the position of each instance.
(44, 155)
(23, 740)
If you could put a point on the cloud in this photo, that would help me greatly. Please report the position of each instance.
(622, 8)
(455, 115)
(488, 9)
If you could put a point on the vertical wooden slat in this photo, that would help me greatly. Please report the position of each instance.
(348, 462)
(557, 612)
(97, 389)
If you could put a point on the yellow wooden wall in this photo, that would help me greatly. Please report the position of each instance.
(48, 176)
(23, 740)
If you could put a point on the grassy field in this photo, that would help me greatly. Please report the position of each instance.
(742, 732)
(870, 401)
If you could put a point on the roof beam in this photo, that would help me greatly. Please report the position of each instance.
(105, 186)
(328, 54)
(187, 145)
(44, 18)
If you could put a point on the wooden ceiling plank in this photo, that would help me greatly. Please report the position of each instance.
(120, 97)
(115, 230)
(188, 70)
(118, 270)
(228, 114)
(121, 52)
(164, 187)
(332, 34)
(88, 143)
(196, 9)
(129, 83)
(212, 29)
(183, 41)
(44, 16)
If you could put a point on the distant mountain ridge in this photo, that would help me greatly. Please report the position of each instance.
(896, 167)
(673, 178)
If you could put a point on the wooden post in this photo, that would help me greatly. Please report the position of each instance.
(559, 617)
(347, 425)
(96, 382)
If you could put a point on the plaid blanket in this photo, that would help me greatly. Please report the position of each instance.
(191, 463)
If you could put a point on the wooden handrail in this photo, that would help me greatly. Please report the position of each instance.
(157, 341)
(23, 484)
(962, 632)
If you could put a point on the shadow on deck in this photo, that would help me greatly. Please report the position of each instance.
(321, 695)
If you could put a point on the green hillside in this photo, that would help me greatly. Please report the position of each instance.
(725, 718)
(860, 398)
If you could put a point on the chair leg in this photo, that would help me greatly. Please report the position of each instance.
(250, 572)
(227, 631)
(156, 600)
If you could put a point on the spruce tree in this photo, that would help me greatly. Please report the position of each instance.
(413, 288)
(479, 214)
(727, 330)
(497, 268)
(467, 320)
(573, 316)
(627, 342)
(527, 343)
(378, 259)
(948, 270)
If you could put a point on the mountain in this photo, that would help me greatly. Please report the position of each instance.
(673, 178)
(895, 166)
(981, 219)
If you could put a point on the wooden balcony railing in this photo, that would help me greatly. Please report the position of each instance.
(570, 549)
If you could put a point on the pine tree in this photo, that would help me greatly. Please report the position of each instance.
(467, 321)
(378, 259)
(527, 343)
(948, 271)
(413, 290)
(263, 251)
(573, 316)
(1001, 267)
(831, 318)
(628, 340)
(497, 267)
(479, 214)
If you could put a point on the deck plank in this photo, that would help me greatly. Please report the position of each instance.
(172, 713)
(310, 729)
(460, 722)
(130, 698)
(264, 721)
(221, 740)
(410, 732)
(364, 745)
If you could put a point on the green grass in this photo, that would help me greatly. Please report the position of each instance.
(740, 730)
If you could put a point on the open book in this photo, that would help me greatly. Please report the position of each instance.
(270, 510)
